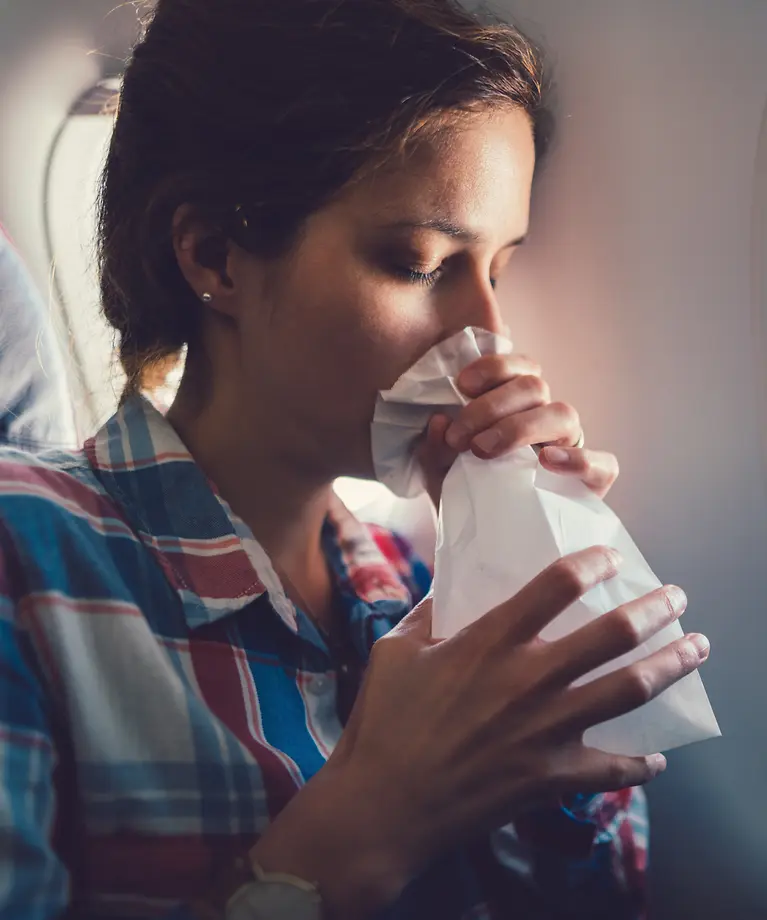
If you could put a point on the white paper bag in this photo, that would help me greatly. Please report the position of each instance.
(503, 521)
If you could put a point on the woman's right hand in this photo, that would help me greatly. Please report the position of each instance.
(449, 739)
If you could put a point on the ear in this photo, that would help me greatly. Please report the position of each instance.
(203, 256)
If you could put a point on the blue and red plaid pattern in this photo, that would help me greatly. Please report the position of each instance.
(161, 699)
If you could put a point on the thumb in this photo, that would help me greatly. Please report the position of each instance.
(417, 624)
(415, 628)
(435, 455)
(433, 452)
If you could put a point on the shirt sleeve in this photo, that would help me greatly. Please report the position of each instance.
(33, 882)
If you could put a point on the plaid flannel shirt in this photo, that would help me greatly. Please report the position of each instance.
(161, 699)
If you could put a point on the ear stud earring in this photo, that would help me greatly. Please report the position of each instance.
(206, 298)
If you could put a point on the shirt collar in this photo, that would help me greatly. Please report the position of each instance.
(207, 553)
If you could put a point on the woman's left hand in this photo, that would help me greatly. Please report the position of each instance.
(511, 407)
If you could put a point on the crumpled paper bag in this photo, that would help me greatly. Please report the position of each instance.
(503, 521)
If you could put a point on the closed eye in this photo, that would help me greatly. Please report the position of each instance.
(429, 279)
(413, 276)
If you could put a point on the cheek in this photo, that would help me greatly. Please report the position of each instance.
(363, 336)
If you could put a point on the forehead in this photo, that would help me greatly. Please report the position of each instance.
(477, 172)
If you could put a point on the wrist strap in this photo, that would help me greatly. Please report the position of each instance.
(285, 878)
(243, 872)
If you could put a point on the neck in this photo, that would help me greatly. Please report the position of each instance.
(262, 478)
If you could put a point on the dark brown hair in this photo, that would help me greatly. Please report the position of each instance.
(273, 106)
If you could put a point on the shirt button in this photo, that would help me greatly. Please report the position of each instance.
(319, 684)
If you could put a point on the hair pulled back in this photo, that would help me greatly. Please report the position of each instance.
(255, 113)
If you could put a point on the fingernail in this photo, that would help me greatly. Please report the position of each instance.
(701, 644)
(615, 557)
(556, 455)
(677, 597)
(472, 378)
(657, 763)
(488, 440)
(456, 433)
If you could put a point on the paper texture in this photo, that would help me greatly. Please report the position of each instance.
(503, 521)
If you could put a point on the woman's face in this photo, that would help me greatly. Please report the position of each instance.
(399, 262)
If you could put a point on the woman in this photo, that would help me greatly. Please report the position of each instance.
(309, 195)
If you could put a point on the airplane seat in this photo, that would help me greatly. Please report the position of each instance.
(35, 404)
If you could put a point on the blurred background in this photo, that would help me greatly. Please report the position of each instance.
(643, 292)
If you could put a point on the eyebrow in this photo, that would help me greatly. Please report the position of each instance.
(448, 228)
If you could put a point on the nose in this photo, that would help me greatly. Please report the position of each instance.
(472, 302)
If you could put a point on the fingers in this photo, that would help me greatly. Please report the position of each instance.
(614, 634)
(523, 392)
(517, 414)
(556, 423)
(510, 408)
(490, 371)
(596, 468)
(594, 771)
(521, 618)
(631, 687)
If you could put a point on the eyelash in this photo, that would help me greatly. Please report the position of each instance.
(429, 279)
(426, 279)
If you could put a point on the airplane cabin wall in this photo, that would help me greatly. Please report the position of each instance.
(50, 54)
(643, 292)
